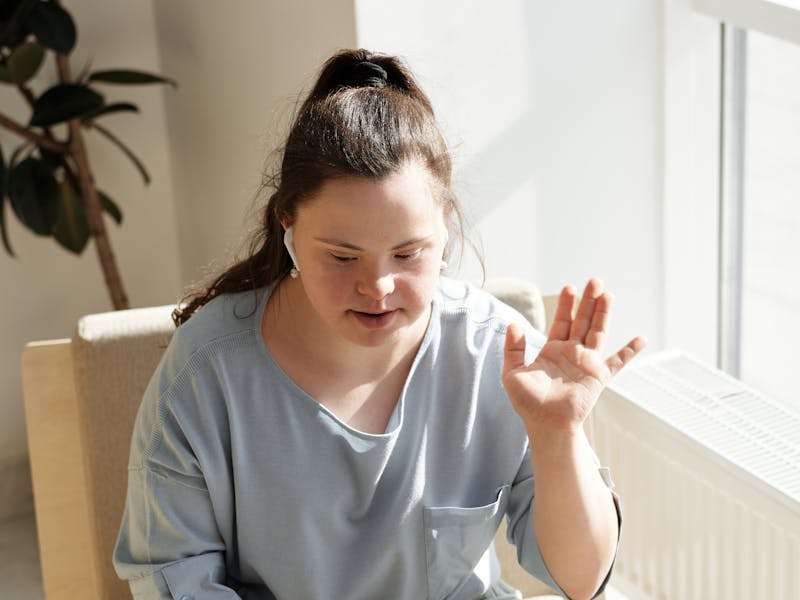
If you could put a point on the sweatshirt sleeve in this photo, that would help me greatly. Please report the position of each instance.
(168, 547)
(522, 534)
(169, 544)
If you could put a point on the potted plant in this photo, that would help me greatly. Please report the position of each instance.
(47, 178)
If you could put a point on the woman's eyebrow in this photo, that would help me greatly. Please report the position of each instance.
(349, 246)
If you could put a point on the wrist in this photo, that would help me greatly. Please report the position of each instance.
(557, 444)
(554, 435)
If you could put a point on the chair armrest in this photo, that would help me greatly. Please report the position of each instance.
(57, 471)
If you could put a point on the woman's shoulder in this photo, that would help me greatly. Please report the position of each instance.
(224, 314)
(474, 310)
(223, 317)
(462, 298)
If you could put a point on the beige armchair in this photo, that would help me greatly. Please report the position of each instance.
(81, 399)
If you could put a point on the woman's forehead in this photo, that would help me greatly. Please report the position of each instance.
(404, 197)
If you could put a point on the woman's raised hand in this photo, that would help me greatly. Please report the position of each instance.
(558, 390)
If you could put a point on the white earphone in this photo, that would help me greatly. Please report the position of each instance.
(446, 238)
(288, 241)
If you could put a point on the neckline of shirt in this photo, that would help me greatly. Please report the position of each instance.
(395, 423)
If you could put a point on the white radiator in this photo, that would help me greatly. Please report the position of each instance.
(709, 475)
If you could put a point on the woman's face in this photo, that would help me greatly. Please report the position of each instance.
(370, 254)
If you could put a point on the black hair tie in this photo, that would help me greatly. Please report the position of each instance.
(368, 74)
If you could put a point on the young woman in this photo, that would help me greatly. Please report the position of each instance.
(335, 419)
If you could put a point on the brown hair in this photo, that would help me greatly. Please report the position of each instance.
(365, 117)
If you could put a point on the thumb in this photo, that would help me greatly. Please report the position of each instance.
(514, 350)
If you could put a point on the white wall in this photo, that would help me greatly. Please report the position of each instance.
(554, 112)
(46, 289)
(241, 67)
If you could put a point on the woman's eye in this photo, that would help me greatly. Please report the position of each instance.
(342, 259)
(408, 255)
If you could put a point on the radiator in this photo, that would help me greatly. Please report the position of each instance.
(709, 475)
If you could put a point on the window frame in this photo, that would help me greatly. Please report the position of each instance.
(691, 216)
(778, 18)
(733, 125)
(702, 204)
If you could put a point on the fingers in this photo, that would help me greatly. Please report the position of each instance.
(564, 312)
(583, 318)
(596, 337)
(624, 356)
(514, 349)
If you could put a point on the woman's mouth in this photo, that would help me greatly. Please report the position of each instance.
(374, 320)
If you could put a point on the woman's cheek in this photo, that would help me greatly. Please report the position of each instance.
(337, 282)
(322, 282)
(420, 290)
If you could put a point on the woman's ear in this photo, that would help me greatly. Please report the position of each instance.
(283, 218)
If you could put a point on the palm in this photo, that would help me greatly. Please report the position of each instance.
(560, 388)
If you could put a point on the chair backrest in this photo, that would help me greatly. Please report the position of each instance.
(524, 296)
(113, 355)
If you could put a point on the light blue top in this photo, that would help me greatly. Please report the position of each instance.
(243, 486)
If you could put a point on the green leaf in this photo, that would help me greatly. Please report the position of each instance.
(24, 62)
(63, 102)
(13, 21)
(34, 195)
(71, 229)
(2, 173)
(110, 207)
(3, 232)
(18, 152)
(127, 151)
(108, 109)
(53, 27)
(51, 159)
(128, 77)
(5, 76)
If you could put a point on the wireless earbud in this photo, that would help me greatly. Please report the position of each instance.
(288, 241)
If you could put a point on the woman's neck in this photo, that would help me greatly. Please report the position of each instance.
(361, 385)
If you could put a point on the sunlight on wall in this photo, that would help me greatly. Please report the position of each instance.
(553, 114)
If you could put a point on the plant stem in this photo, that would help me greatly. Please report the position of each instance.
(92, 206)
(34, 137)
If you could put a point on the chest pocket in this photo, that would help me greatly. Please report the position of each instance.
(455, 540)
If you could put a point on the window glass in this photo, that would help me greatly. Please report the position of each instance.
(770, 305)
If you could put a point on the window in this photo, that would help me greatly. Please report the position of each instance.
(731, 200)
(759, 292)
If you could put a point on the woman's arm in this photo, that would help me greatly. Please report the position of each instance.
(169, 543)
(573, 511)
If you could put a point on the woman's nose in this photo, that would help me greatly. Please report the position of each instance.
(376, 283)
